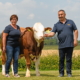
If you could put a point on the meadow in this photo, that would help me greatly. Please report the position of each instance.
(45, 75)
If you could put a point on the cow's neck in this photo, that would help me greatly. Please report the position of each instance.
(38, 43)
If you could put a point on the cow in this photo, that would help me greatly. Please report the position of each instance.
(31, 45)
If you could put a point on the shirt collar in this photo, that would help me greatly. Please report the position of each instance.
(61, 22)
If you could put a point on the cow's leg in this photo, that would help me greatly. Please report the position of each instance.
(3, 69)
(28, 63)
(28, 67)
(3, 63)
(37, 66)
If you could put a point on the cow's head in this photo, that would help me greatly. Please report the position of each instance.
(39, 30)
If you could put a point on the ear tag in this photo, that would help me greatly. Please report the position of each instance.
(47, 31)
(29, 30)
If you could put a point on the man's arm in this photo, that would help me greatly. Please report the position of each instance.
(75, 38)
(50, 34)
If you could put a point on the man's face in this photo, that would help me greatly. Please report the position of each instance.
(61, 15)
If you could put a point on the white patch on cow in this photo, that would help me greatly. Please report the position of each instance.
(37, 66)
(12, 69)
(38, 29)
(3, 69)
(38, 43)
(27, 73)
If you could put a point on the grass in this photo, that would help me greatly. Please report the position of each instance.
(45, 75)
(55, 47)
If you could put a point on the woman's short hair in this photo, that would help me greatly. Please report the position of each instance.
(14, 16)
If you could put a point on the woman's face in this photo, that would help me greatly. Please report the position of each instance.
(14, 21)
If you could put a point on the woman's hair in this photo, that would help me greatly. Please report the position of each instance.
(14, 16)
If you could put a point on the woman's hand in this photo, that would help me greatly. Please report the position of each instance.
(4, 49)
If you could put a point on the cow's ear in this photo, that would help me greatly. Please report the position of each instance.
(29, 28)
(48, 29)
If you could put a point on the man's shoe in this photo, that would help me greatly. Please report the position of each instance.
(69, 75)
(61, 75)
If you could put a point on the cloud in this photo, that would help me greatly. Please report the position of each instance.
(71, 6)
(7, 8)
(43, 5)
(18, 8)
(31, 16)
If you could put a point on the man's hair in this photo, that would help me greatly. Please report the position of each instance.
(62, 10)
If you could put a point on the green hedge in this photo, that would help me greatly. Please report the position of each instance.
(48, 63)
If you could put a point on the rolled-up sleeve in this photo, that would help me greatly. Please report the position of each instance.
(74, 26)
(54, 28)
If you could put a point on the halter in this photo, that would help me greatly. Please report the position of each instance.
(24, 32)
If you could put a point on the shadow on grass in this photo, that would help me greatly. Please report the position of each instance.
(41, 75)
(49, 74)
(76, 75)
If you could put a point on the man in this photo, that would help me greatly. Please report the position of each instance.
(67, 41)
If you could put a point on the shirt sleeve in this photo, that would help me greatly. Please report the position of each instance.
(54, 28)
(74, 26)
(7, 30)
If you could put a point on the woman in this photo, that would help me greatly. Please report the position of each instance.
(11, 46)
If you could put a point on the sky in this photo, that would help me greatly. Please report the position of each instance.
(44, 11)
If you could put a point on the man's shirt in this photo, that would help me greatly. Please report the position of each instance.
(65, 33)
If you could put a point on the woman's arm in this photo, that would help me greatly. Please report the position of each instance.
(4, 41)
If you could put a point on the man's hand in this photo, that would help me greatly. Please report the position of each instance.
(75, 43)
(45, 35)
(49, 35)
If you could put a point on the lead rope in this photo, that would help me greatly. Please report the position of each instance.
(23, 33)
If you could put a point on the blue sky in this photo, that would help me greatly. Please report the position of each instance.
(44, 11)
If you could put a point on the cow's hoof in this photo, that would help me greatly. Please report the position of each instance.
(13, 74)
(37, 74)
(3, 74)
(27, 76)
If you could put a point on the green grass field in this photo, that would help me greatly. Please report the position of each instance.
(55, 47)
(45, 75)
